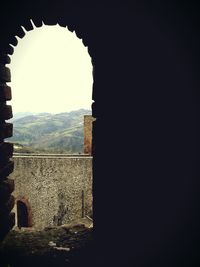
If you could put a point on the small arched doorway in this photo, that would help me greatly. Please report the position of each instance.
(22, 214)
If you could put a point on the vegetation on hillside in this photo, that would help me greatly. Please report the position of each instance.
(49, 133)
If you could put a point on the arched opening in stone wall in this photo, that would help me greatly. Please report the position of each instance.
(57, 181)
(52, 91)
(22, 214)
(23, 211)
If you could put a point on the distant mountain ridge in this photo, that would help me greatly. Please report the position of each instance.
(19, 115)
(46, 132)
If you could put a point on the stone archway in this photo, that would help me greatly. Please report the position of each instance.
(24, 214)
(6, 128)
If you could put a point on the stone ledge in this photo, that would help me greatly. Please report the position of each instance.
(24, 155)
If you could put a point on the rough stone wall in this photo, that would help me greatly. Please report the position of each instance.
(53, 186)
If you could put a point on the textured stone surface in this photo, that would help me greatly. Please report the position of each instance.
(53, 187)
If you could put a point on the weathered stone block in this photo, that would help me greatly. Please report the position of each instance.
(5, 59)
(6, 112)
(50, 21)
(20, 32)
(13, 40)
(37, 22)
(9, 50)
(28, 25)
(5, 92)
(6, 130)
(5, 75)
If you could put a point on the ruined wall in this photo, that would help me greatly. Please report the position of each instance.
(53, 186)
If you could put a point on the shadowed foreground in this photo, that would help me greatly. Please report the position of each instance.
(55, 246)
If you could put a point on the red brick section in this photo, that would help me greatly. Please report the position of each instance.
(88, 119)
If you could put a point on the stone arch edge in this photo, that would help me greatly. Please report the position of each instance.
(7, 219)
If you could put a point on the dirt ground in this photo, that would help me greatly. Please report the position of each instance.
(67, 245)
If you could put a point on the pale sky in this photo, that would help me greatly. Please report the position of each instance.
(51, 71)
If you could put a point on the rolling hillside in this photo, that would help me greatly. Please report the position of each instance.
(45, 132)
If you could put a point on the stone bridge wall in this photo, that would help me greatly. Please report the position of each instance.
(54, 186)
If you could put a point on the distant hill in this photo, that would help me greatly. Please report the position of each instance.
(19, 115)
(46, 132)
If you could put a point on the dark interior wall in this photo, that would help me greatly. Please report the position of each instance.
(146, 148)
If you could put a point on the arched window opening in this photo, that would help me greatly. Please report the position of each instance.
(52, 97)
(52, 91)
